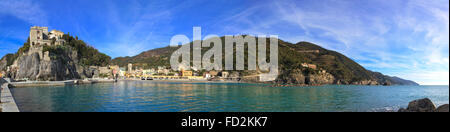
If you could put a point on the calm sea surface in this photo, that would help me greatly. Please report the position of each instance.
(148, 96)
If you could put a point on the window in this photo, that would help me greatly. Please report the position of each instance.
(38, 37)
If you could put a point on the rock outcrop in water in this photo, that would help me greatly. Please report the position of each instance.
(443, 108)
(424, 105)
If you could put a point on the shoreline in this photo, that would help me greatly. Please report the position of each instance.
(58, 83)
(93, 81)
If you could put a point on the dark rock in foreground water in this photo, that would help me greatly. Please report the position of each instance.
(424, 105)
(442, 108)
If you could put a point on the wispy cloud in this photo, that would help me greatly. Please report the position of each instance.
(26, 10)
(405, 38)
(395, 37)
(138, 35)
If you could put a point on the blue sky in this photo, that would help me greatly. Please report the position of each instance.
(404, 38)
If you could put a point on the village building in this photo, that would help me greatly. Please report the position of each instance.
(122, 72)
(115, 70)
(213, 73)
(148, 72)
(312, 66)
(162, 70)
(130, 68)
(104, 71)
(207, 75)
(225, 74)
(186, 73)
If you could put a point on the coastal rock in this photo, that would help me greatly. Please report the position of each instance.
(421, 105)
(387, 84)
(402, 110)
(341, 82)
(366, 82)
(3, 63)
(297, 77)
(320, 78)
(292, 77)
(442, 108)
(28, 66)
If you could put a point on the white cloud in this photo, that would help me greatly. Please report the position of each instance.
(26, 10)
(135, 34)
(407, 36)
(427, 78)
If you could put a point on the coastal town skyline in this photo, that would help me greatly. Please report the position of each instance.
(391, 40)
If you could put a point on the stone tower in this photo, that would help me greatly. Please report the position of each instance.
(40, 36)
(130, 67)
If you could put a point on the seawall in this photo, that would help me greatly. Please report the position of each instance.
(8, 104)
(58, 83)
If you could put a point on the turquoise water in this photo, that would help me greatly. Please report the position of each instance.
(148, 96)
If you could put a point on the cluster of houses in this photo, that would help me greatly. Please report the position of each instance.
(129, 72)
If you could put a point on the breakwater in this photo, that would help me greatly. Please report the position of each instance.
(8, 104)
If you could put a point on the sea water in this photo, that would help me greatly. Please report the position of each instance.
(151, 96)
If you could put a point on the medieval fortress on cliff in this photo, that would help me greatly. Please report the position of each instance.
(40, 36)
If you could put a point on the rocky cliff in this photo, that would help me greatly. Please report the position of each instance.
(299, 76)
(35, 65)
(53, 63)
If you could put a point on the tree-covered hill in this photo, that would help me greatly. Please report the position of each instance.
(291, 56)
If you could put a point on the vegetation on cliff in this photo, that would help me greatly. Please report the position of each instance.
(149, 59)
(88, 55)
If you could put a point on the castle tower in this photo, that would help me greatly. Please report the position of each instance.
(36, 36)
(40, 36)
(130, 67)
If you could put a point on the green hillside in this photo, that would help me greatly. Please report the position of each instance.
(291, 56)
